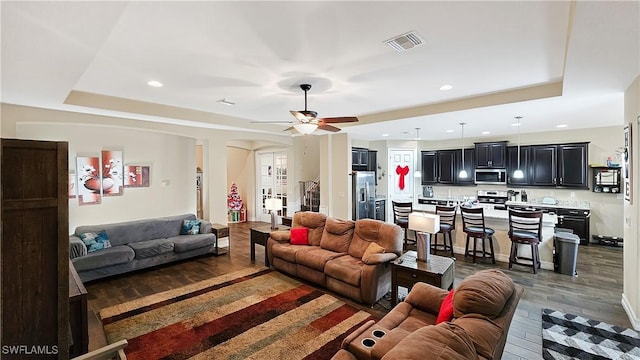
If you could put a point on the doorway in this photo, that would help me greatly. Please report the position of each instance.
(271, 181)
(401, 167)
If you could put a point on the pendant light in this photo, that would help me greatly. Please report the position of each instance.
(417, 173)
(463, 173)
(518, 174)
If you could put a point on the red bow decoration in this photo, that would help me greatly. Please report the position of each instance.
(402, 171)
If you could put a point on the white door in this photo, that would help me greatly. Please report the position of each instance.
(401, 169)
(271, 181)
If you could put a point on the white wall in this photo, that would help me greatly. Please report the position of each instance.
(631, 280)
(171, 159)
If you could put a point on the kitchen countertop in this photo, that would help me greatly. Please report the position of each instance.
(563, 204)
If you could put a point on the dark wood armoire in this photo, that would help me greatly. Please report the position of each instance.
(34, 249)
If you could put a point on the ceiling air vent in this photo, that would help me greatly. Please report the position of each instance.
(405, 42)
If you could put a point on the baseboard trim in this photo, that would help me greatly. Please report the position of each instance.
(630, 313)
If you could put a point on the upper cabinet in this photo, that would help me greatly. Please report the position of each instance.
(359, 158)
(512, 165)
(572, 165)
(491, 155)
(469, 166)
(562, 165)
(429, 162)
(446, 166)
(443, 167)
(543, 165)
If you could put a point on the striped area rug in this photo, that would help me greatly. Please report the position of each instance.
(248, 314)
(567, 336)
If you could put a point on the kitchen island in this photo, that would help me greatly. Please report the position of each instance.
(499, 221)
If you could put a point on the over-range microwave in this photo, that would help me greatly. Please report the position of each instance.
(491, 176)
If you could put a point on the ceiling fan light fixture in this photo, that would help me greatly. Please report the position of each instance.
(305, 115)
(305, 128)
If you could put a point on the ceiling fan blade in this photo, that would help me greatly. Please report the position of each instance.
(343, 119)
(327, 127)
(272, 122)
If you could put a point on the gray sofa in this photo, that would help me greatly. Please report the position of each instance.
(138, 244)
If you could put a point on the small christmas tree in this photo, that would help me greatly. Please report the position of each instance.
(234, 202)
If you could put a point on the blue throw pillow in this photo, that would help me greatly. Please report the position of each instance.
(95, 241)
(190, 227)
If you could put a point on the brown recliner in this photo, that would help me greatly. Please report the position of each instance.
(484, 304)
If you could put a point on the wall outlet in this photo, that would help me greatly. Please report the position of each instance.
(572, 194)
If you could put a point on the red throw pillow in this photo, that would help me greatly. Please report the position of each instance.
(446, 308)
(300, 236)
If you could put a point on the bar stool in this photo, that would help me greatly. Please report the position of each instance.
(447, 225)
(473, 225)
(525, 227)
(401, 211)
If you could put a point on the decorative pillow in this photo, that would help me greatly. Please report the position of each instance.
(190, 227)
(446, 308)
(300, 236)
(95, 241)
(373, 248)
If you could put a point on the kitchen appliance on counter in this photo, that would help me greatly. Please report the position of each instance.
(427, 191)
(497, 198)
(363, 194)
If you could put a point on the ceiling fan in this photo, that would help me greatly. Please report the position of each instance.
(307, 120)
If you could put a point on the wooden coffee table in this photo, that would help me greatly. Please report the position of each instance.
(408, 270)
(260, 235)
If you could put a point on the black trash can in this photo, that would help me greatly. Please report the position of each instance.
(566, 256)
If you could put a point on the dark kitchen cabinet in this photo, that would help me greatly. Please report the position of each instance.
(543, 165)
(372, 163)
(443, 166)
(563, 165)
(359, 159)
(491, 155)
(576, 220)
(372, 160)
(512, 164)
(429, 162)
(572, 165)
(469, 166)
(381, 209)
(446, 166)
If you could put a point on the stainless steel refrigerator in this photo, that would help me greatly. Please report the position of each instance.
(364, 195)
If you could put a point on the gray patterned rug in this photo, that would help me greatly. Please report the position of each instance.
(566, 336)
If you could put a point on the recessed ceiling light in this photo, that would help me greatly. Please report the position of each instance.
(385, 135)
(562, 126)
(154, 83)
(449, 131)
(486, 132)
(226, 102)
(446, 87)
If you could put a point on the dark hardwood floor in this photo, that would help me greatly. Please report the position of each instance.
(595, 293)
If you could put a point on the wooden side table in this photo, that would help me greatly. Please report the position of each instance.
(408, 270)
(260, 235)
(221, 232)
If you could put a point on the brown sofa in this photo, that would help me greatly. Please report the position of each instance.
(483, 307)
(334, 257)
